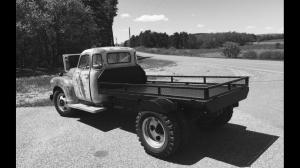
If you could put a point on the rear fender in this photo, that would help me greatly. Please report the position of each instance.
(159, 105)
(65, 83)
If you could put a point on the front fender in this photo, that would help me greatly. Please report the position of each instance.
(65, 83)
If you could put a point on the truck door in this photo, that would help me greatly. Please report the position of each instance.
(96, 70)
(81, 78)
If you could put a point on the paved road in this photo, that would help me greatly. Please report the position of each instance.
(265, 99)
(253, 138)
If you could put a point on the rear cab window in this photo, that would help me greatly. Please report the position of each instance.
(118, 57)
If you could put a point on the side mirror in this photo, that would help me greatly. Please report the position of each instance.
(97, 66)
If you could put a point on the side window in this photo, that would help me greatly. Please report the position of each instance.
(97, 60)
(121, 57)
(84, 61)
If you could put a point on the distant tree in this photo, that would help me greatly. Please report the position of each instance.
(134, 41)
(164, 40)
(175, 40)
(181, 40)
(210, 43)
(192, 42)
(231, 49)
(265, 37)
(146, 39)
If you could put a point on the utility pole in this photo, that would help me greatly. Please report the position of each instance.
(116, 41)
(129, 38)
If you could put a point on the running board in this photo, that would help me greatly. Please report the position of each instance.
(87, 108)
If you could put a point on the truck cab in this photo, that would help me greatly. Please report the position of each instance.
(84, 71)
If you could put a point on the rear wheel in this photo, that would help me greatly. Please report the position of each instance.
(59, 100)
(159, 134)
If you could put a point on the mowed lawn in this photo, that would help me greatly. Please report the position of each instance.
(33, 91)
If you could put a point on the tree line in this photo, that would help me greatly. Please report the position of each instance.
(46, 29)
(264, 37)
(184, 40)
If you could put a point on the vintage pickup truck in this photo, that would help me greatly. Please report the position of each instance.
(108, 77)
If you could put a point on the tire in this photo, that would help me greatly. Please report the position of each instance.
(159, 134)
(223, 118)
(60, 105)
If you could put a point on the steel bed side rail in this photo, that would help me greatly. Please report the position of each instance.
(206, 89)
(184, 76)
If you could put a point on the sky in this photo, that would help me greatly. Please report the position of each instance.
(198, 16)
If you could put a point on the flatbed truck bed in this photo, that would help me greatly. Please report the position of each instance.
(213, 96)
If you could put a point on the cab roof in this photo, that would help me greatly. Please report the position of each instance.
(107, 49)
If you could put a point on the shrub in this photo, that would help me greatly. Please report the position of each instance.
(278, 46)
(172, 48)
(250, 54)
(231, 49)
(275, 55)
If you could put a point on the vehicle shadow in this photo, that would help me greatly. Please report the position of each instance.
(232, 144)
(108, 120)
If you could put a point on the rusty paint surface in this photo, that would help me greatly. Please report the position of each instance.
(81, 84)
(66, 84)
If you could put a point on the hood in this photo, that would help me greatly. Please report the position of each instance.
(70, 72)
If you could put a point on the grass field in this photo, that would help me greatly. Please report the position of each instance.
(274, 41)
(258, 47)
(33, 89)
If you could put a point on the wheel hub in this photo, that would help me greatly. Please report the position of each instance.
(153, 132)
(61, 102)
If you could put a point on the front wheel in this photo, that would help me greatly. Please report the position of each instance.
(158, 133)
(59, 101)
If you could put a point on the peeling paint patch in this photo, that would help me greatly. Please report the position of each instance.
(82, 88)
